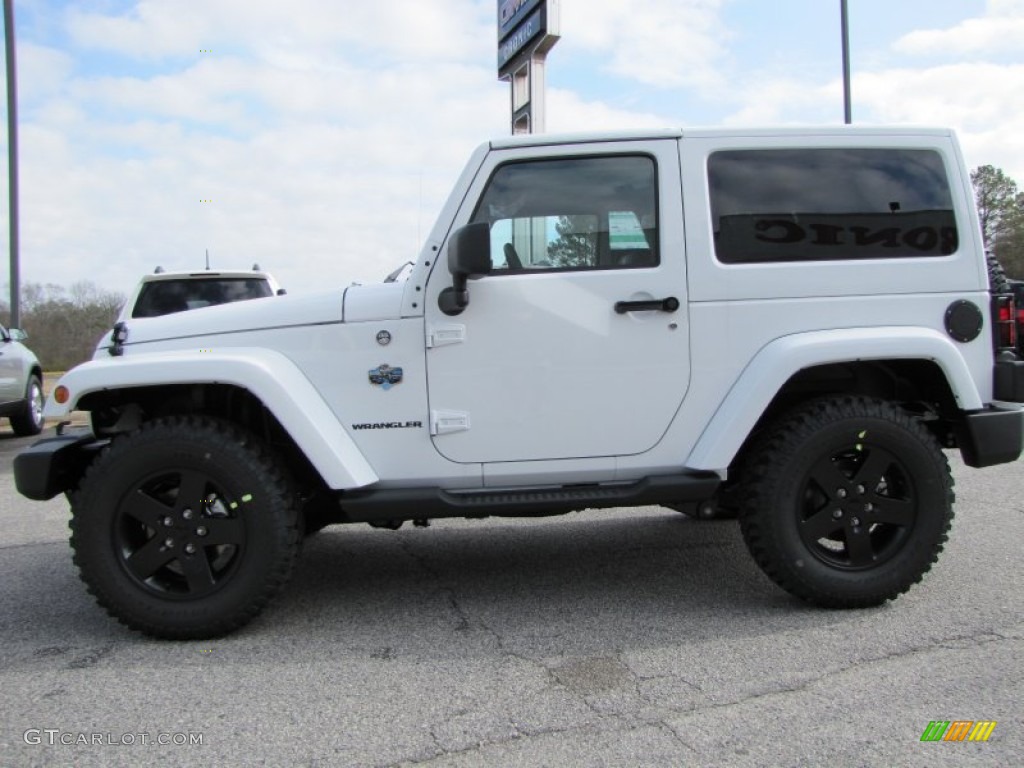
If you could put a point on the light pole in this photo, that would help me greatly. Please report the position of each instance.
(847, 110)
(12, 160)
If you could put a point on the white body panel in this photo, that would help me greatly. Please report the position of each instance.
(547, 369)
(539, 381)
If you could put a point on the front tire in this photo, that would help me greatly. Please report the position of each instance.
(185, 529)
(847, 501)
(29, 419)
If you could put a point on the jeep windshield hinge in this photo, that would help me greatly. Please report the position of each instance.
(446, 422)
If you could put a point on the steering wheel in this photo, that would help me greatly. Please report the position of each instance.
(511, 257)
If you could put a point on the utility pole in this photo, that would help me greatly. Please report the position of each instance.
(847, 109)
(12, 160)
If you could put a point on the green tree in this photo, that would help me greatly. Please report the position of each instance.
(576, 245)
(1001, 210)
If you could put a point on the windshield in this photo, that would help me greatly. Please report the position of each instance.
(164, 297)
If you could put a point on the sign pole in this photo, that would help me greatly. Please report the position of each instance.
(12, 161)
(527, 30)
(847, 109)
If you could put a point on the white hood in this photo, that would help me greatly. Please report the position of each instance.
(251, 315)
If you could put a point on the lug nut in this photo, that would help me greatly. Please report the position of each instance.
(201, 530)
(854, 521)
(168, 522)
(837, 514)
(168, 542)
(860, 489)
(869, 507)
(187, 514)
(190, 548)
(841, 493)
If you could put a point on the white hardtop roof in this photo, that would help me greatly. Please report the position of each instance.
(646, 134)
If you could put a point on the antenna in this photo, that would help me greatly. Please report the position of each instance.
(207, 259)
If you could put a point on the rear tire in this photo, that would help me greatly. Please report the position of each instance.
(847, 501)
(184, 529)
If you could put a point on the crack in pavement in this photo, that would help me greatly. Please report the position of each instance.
(943, 645)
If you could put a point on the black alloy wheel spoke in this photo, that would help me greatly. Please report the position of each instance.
(859, 546)
(145, 509)
(820, 525)
(874, 467)
(197, 571)
(191, 491)
(898, 512)
(149, 558)
(222, 530)
(827, 475)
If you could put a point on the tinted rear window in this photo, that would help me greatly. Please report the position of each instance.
(827, 204)
(164, 297)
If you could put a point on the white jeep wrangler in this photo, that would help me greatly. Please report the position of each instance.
(784, 325)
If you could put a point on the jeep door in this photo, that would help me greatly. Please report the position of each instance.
(575, 345)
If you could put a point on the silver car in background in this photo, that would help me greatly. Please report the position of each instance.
(21, 383)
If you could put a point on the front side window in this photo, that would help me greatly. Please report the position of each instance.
(827, 204)
(578, 213)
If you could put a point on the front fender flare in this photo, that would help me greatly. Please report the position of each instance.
(267, 374)
(780, 360)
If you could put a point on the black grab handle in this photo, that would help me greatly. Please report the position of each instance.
(671, 304)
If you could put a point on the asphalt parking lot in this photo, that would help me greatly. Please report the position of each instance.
(621, 638)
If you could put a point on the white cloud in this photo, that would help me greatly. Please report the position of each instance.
(568, 113)
(1000, 30)
(971, 97)
(664, 43)
(328, 134)
(405, 28)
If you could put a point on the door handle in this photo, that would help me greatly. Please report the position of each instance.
(670, 304)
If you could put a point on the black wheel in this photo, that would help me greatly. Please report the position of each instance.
(185, 528)
(29, 419)
(846, 501)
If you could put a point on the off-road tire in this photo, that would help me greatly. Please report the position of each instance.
(998, 282)
(846, 501)
(29, 418)
(185, 529)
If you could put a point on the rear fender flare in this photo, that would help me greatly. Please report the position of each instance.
(783, 358)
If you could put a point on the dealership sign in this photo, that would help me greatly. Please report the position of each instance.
(523, 25)
(512, 13)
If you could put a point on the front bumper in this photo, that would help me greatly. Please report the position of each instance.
(54, 465)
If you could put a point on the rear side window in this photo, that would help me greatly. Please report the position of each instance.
(772, 205)
(164, 297)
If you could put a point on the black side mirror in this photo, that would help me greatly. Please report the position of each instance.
(469, 258)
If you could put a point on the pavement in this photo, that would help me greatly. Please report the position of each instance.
(605, 638)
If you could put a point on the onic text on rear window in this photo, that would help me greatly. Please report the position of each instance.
(775, 205)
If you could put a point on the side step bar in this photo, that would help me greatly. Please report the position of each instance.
(366, 506)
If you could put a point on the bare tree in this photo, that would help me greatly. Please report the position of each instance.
(64, 324)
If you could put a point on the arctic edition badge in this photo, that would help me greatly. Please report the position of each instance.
(385, 377)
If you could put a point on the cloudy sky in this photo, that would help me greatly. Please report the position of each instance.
(320, 137)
